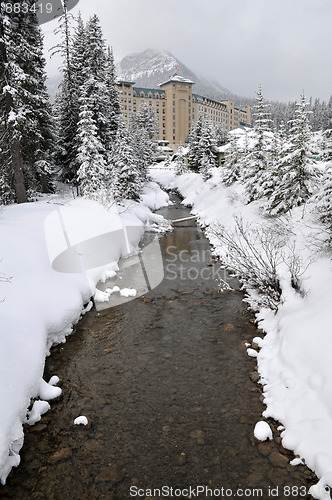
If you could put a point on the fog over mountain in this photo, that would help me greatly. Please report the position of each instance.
(152, 67)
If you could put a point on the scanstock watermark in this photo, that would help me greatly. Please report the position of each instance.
(223, 492)
(79, 243)
(46, 10)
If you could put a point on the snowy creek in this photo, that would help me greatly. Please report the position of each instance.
(169, 391)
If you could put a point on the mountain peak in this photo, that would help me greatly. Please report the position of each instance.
(152, 66)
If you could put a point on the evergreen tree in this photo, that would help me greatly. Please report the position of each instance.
(220, 135)
(92, 174)
(257, 159)
(143, 130)
(127, 181)
(205, 151)
(67, 101)
(195, 135)
(180, 164)
(201, 155)
(231, 171)
(26, 127)
(95, 87)
(296, 166)
(114, 110)
(323, 202)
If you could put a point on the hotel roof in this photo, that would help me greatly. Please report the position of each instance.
(177, 78)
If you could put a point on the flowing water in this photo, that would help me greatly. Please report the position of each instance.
(170, 394)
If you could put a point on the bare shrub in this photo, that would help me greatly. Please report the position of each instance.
(253, 254)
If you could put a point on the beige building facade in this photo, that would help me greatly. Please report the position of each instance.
(177, 108)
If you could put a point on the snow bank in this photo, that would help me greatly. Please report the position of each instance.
(40, 303)
(294, 359)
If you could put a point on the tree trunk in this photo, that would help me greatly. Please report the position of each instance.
(17, 169)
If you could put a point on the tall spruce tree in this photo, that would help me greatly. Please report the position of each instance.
(323, 202)
(113, 93)
(96, 86)
(257, 159)
(202, 143)
(231, 172)
(67, 100)
(297, 166)
(195, 135)
(143, 129)
(92, 172)
(127, 179)
(26, 126)
(205, 150)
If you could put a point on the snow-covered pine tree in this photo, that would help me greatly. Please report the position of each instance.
(143, 129)
(296, 166)
(26, 127)
(220, 135)
(273, 174)
(114, 111)
(127, 179)
(92, 172)
(202, 145)
(66, 107)
(257, 159)
(231, 171)
(323, 202)
(205, 151)
(326, 153)
(180, 164)
(195, 135)
(96, 86)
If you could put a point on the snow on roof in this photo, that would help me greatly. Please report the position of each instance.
(177, 78)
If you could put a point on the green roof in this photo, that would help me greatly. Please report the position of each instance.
(139, 90)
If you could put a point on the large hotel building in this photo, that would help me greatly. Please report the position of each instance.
(177, 108)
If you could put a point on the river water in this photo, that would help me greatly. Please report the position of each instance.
(169, 392)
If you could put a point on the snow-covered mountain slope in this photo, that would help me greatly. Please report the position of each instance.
(151, 67)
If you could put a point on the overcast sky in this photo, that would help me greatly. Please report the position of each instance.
(285, 45)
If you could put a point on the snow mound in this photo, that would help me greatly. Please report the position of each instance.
(252, 353)
(81, 420)
(262, 431)
(38, 409)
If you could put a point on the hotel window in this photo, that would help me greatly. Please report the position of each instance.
(157, 103)
(164, 103)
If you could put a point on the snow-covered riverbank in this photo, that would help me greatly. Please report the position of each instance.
(39, 305)
(294, 356)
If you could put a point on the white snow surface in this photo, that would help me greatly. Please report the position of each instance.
(294, 359)
(81, 420)
(262, 431)
(39, 306)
